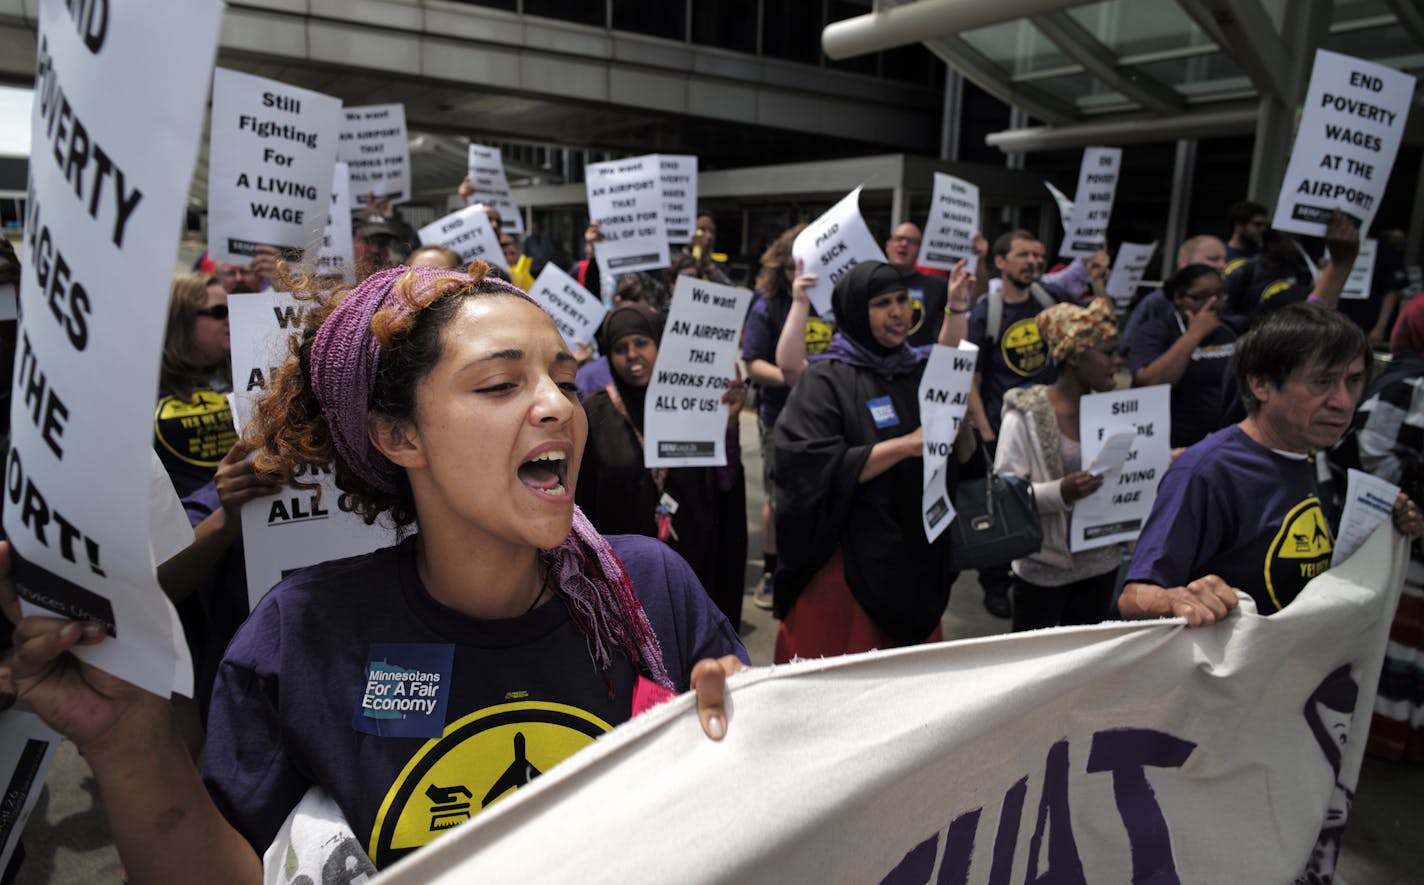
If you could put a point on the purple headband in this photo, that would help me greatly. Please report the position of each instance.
(345, 354)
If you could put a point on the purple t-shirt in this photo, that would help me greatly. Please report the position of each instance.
(765, 321)
(593, 376)
(1019, 358)
(1153, 306)
(1197, 396)
(412, 716)
(1231, 507)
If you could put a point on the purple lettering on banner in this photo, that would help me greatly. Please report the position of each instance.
(1008, 836)
(916, 866)
(1064, 865)
(959, 849)
(1126, 752)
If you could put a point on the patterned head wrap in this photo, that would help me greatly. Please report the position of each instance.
(1069, 329)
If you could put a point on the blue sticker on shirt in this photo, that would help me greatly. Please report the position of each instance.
(407, 685)
(882, 411)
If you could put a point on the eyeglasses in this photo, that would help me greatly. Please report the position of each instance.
(217, 312)
(913, 241)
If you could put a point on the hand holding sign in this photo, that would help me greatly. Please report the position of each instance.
(831, 245)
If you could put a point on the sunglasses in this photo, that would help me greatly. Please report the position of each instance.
(217, 312)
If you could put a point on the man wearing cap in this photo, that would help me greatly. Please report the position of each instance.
(372, 237)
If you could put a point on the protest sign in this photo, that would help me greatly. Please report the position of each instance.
(1121, 752)
(575, 310)
(950, 227)
(685, 420)
(337, 257)
(296, 527)
(625, 198)
(944, 395)
(28, 746)
(492, 187)
(468, 232)
(373, 143)
(1358, 284)
(1128, 271)
(1087, 228)
(679, 184)
(270, 152)
(1065, 206)
(1118, 509)
(1345, 145)
(833, 244)
(101, 237)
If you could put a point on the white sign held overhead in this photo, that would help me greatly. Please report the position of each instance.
(1092, 205)
(269, 165)
(684, 419)
(101, 237)
(1346, 143)
(831, 245)
(28, 746)
(468, 232)
(575, 310)
(1065, 206)
(944, 395)
(679, 184)
(952, 222)
(1118, 509)
(1128, 271)
(295, 527)
(625, 198)
(492, 187)
(1358, 284)
(374, 144)
(336, 256)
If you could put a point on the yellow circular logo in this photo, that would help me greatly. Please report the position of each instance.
(1301, 550)
(1023, 348)
(818, 335)
(917, 310)
(197, 430)
(1275, 289)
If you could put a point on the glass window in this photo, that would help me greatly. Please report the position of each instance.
(583, 13)
(728, 24)
(791, 29)
(658, 19)
(1132, 27)
(1016, 46)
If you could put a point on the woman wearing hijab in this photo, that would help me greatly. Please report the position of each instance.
(1039, 442)
(701, 512)
(856, 570)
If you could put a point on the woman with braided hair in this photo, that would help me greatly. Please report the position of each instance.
(419, 683)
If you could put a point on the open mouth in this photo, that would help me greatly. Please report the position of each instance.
(546, 473)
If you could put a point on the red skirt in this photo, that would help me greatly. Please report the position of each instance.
(826, 620)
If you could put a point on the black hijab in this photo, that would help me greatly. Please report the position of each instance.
(632, 318)
(854, 342)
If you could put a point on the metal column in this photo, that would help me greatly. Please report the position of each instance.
(1183, 174)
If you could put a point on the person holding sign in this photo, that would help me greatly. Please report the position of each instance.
(856, 570)
(1039, 440)
(701, 512)
(192, 422)
(446, 403)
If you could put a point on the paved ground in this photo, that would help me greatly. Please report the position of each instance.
(68, 841)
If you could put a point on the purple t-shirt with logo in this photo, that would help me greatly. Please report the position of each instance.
(1231, 507)
(765, 321)
(1197, 396)
(412, 716)
(1019, 358)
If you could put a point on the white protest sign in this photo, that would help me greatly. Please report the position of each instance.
(336, 255)
(1128, 270)
(575, 310)
(1118, 509)
(684, 419)
(101, 239)
(950, 227)
(944, 395)
(492, 187)
(1369, 503)
(1123, 752)
(1065, 206)
(296, 527)
(831, 245)
(28, 746)
(270, 152)
(1087, 228)
(1345, 146)
(679, 184)
(1114, 453)
(468, 232)
(625, 197)
(1358, 284)
(374, 144)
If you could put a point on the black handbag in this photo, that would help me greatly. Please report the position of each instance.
(996, 519)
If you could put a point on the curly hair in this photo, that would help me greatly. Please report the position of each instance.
(182, 370)
(771, 279)
(289, 429)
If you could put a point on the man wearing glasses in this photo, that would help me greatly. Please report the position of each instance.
(927, 293)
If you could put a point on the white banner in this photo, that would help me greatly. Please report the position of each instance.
(1118, 509)
(336, 256)
(296, 527)
(374, 144)
(28, 746)
(1123, 752)
(492, 186)
(1092, 204)
(1128, 271)
(101, 237)
(625, 197)
(679, 185)
(1357, 285)
(833, 244)
(944, 395)
(575, 310)
(1345, 145)
(1065, 206)
(270, 152)
(468, 232)
(685, 420)
(950, 227)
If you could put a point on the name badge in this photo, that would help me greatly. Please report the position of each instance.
(882, 412)
(407, 687)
